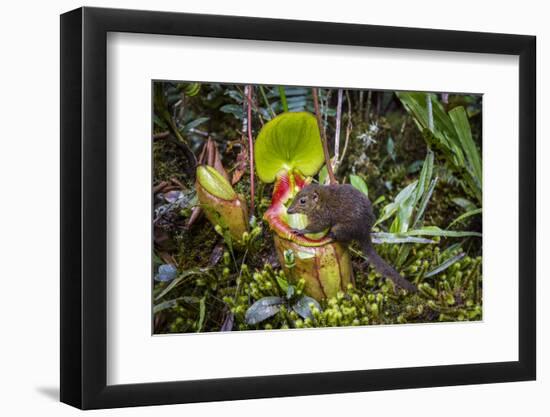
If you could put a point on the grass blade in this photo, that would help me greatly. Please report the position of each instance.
(202, 313)
(424, 202)
(383, 237)
(180, 279)
(283, 98)
(436, 231)
(464, 216)
(445, 265)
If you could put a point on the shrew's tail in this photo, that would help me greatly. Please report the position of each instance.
(385, 269)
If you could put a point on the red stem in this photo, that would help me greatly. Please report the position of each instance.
(250, 149)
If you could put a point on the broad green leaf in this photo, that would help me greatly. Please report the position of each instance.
(215, 183)
(359, 183)
(289, 141)
(302, 307)
(263, 309)
(193, 124)
(234, 109)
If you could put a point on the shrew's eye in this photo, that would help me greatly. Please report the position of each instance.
(302, 200)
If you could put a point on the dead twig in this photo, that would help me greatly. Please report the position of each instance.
(337, 132)
(160, 186)
(250, 102)
(250, 149)
(369, 103)
(349, 128)
(161, 135)
(178, 183)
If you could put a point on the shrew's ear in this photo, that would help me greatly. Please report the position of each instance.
(315, 196)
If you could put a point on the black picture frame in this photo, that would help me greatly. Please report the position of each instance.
(84, 207)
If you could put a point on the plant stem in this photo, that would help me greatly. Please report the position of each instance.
(369, 102)
(338, 124)
(250, 103)
(349, 128)
(262, 91)
(323, 136)
(283, 98)
(325, 109)
(250, 149)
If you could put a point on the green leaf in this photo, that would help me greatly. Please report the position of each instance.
(193, 124)
(436, 231)
(180, 279)
(289, 141)
(424, 202)
(359, 183)
(282, 283)
(445, 265)
(190, 89)
(464, 203)
(263, 309)
(390, 148)
(283, 98)
(234, 109)
(302, 307)
(401, 199)
(465, 216)
(164, 306)
(215, 183)
(202, 313)
(425, 176)
(393, 238)
(379, 200)
(451, 136)
(159, 122)
(323, 174)
(462, 126)
(172, 303)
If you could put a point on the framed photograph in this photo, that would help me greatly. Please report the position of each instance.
(255, 208)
